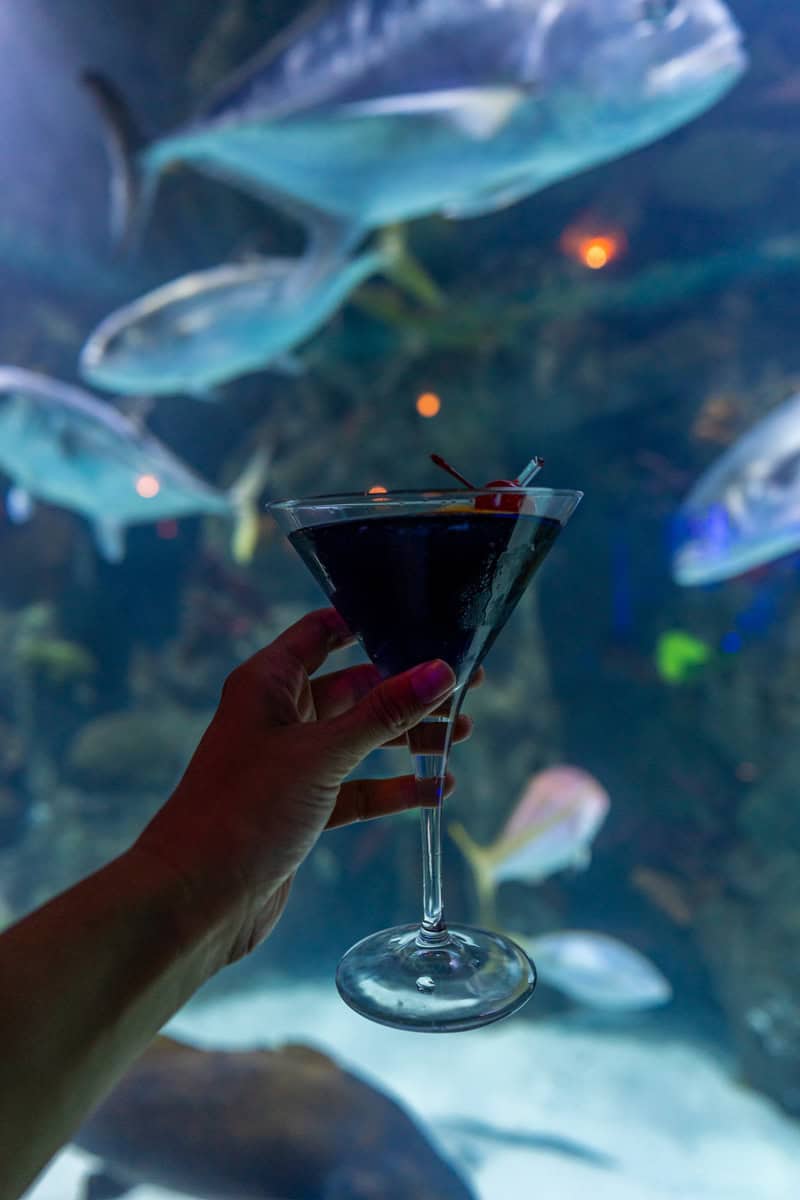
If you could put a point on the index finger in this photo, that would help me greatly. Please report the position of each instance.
(311, 639)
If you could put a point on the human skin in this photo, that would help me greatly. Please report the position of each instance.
(88, 979)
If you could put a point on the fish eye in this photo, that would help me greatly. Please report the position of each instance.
(658, 11)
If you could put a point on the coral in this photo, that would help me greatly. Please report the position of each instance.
(56, 659)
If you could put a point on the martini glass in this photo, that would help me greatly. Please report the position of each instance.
(417, 576)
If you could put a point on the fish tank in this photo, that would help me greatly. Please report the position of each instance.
(259, 252)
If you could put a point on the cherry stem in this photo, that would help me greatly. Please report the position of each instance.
(440, 462)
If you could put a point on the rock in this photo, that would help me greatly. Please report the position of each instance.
(752, 946)
(769, 817)
(134, 751)
(12, 750)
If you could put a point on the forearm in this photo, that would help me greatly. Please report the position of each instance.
(85, 983)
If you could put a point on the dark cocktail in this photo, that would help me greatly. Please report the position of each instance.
(437, 585)
(417, 576)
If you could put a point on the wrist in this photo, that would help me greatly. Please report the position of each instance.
(203, 915)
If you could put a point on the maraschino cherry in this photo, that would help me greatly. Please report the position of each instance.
(495, 500)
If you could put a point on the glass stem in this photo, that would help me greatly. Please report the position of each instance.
(430, 744)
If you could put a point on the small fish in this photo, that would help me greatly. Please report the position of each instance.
(679, 656)
(368, 112)
(63, 445)
(551, 828)
(670, 895)
(209, 327)
(597, 970)
(745, 510)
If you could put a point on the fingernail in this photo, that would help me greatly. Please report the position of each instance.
(432, 681)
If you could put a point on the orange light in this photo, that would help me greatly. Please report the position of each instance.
(428, 404)
(598, 254)
(377, 490)
(593, 250)
(147, 486)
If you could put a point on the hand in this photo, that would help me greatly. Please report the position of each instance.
(268, 775)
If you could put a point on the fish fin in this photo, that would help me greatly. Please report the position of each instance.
(300, 1053)
(208, 395)
(136, 408)
(109, 538)
(288, 364)
(475, 1130)
(363, 1179)
(132, 190)
(479, 113)
(581, 859)
(326, 236)
(20, 505)
(480, 860)
(403, 269)
(101, 1185)
(290, 35)
(243, 496)
(490, 199)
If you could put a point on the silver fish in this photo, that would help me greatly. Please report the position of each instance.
(377, 111)
(745, 510)
(597, 970)
(208, 327)
(62, 445)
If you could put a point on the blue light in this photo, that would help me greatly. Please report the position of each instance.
(731, 643)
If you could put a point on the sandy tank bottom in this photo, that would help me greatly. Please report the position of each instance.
(665, 1111)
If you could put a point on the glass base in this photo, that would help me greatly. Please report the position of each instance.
(435, 983)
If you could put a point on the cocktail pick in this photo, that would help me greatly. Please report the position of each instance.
(440, 462)
(533, 468)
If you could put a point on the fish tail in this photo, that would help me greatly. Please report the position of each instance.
(480, 860)
(244, 499)
(132, 185)
(403, 269)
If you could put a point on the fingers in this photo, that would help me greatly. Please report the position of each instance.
(463, 730)
(311, 639)
(363, 799)
(335, 693)
(389, 710)
(306, 644)
(339, 691)
(273, 683)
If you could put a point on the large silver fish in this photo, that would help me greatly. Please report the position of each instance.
(62, 445)
(211, 326)
(745, 510)
(376, 111)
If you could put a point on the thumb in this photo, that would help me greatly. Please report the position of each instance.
(391, 709)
